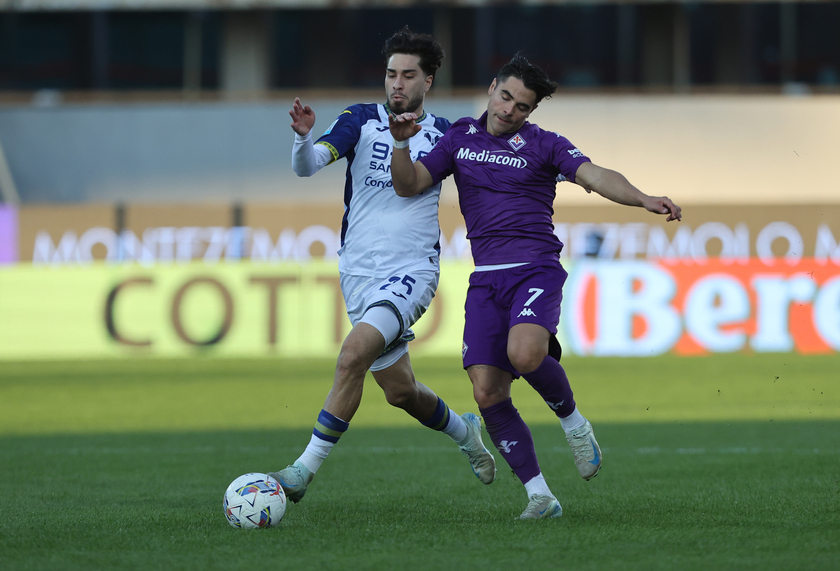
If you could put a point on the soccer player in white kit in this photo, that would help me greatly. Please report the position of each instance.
(388, 260)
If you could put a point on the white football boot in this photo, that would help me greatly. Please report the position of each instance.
(482, 462)
(542, 507)
(586, 451)
(294, 479)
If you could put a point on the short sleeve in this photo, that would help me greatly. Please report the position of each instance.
(439, 161)
(343, 134)
(567, 158)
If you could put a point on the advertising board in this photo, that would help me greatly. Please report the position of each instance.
(610, 308)
(164, 280)
(284, 232)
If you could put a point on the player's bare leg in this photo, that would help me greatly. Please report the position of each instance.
(360, 349)
(358, 352)
(402, 390)
(527, 346)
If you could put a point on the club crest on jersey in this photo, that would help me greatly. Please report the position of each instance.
(517, 142)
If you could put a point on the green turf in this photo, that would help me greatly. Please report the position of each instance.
(221, 394)
(679, 496)
(139, 485)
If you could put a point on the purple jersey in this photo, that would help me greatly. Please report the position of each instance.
(506, 187)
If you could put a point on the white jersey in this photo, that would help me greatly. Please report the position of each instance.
(383, 234)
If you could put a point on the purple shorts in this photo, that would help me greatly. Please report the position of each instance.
(499, 299)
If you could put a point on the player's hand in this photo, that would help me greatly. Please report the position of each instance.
(303, 118)
(664, 205)
(403, 126)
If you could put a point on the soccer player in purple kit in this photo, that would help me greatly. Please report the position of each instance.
(506, 171)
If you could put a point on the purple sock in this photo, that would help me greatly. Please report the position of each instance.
(552, 384)
(512, 438)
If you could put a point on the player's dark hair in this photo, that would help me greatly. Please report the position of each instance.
(422, 45)
(531, 76)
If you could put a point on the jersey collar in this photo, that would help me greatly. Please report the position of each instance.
(482, 121)
(419, 119)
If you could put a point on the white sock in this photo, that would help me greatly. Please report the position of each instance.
(456, 428)
(537, 485)
(316, 452)
(573, 421)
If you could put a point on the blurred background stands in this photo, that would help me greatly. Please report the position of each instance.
(174, 100)
(258, 45)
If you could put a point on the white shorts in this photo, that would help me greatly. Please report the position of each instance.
(407, 295)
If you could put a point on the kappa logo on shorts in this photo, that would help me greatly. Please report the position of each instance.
(527, 312)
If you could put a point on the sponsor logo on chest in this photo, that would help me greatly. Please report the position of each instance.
(500, 157)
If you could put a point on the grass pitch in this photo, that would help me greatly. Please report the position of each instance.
(118, 464)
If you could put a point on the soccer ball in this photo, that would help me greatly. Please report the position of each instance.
(254, 500)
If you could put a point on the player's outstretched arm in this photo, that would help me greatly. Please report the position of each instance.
(614, 186)
(409, 178)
